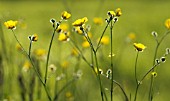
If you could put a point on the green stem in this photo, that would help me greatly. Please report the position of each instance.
(136, 92)
(136, 76)
(36, 71)
(155, 55)
(126, 97)
(29, 52)
(48, 55)
(98, 45)
(136, 67)
(64, 87)
(111, 59)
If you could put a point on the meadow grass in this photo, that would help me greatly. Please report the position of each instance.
(138, 17)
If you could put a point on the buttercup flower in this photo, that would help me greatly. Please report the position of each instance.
(104, 40)
(80, 22)
(18, 47)
(64, 64)
(111, 13)
(167, 23)
(98, 21)
(40, 52)
(118, 12)
(62, 27)
(11, 24)
(77, 30)
(26, 66)
(85, 44)
(139, 46)
(63, 36)
(33, 37)
(65, 15)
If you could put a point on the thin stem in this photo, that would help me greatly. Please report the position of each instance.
(126, 97)
(111, 59)
(136, 67)
(64, 87)
(149, 72)
(48, 55)
(98, 75)
(96, 61)
(36, 71)
(136, 76)
(136, 92)
(98, 45)
(29, 52)
(155, 55)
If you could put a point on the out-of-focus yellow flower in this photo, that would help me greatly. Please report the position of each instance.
(167, 23)
(64, 64)
(68, 94)
(74, 52)
(62, 27)
(11, 24)
(131, 37)
(111, 13)
(118, 12)
(64, 36)
(139, 46)
(65, 15)
(104, 40)
(85, 44)
(26, 66)
(18, 47)
(154, 74)
(80, 22)
(98, 20)
(40, 52)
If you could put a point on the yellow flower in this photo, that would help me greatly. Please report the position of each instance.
(18, 47)
(74, 52)
(111, 13)
(11, 24)
(63, 36)
(65, 64)
(65, 15)
(27, 66)
(154, 74)
(118, 12)
(167, 23)
(98, 21)
(62, 27)
(35, 37)
(68, 94)
(131, 37)
(40, 52)
(104, 40)
(139, 46)
(80, 22)
(77, 30)
(85, 44)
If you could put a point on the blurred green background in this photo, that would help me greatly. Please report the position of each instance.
(139, 16)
